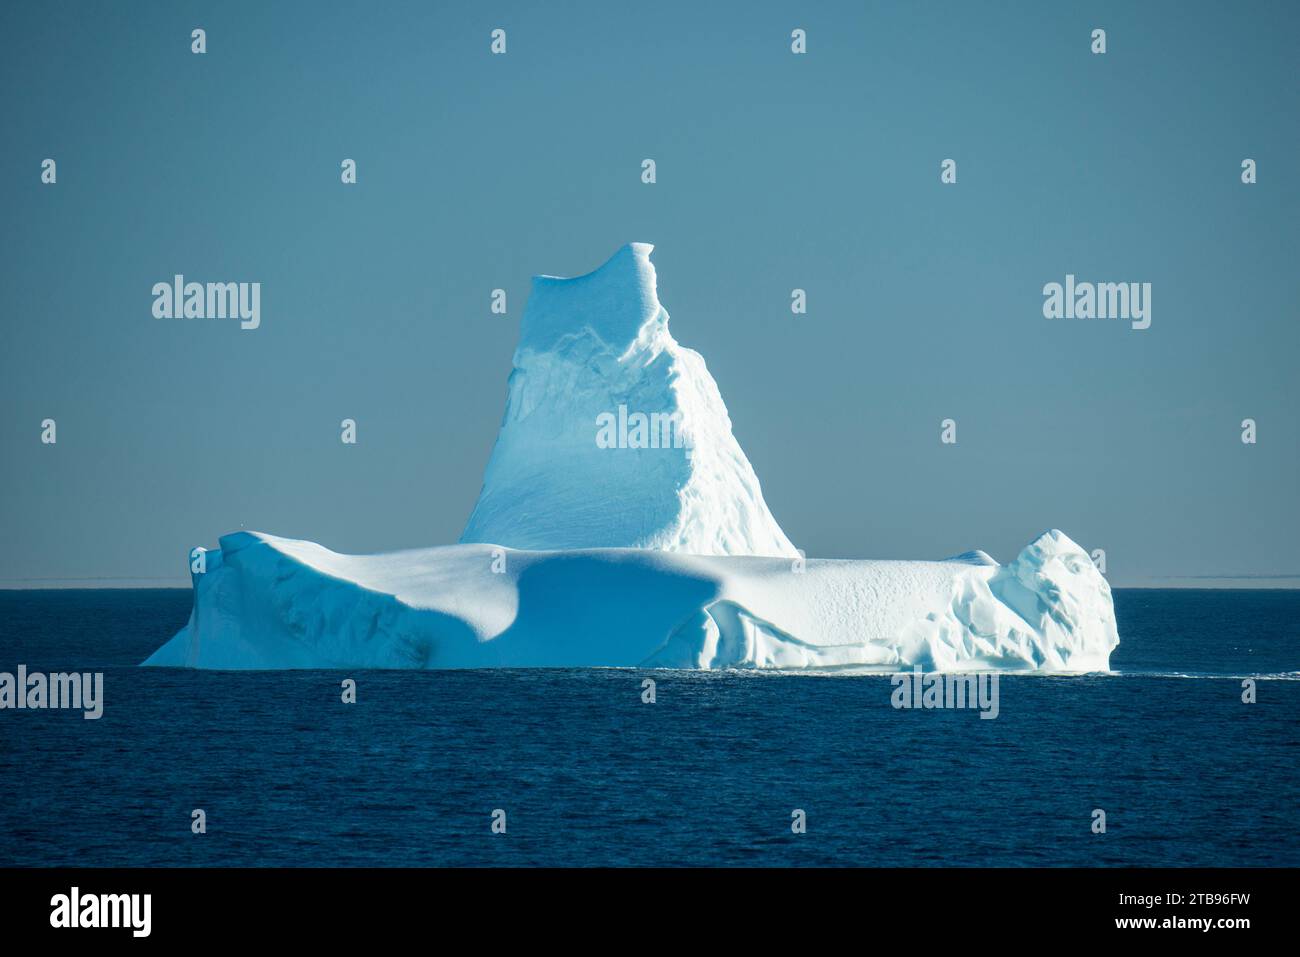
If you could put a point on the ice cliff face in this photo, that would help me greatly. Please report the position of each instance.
(614, 435)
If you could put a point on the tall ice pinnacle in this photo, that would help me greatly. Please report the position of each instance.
(614, 435)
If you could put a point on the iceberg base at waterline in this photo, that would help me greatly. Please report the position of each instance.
(264, 602)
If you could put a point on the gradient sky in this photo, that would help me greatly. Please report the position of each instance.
(775, 171)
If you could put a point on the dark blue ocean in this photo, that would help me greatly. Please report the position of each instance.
(707, 775)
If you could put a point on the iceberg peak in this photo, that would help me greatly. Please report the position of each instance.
(615, 436)
(614, 302)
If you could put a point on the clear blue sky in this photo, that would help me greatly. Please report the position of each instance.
(775, 171)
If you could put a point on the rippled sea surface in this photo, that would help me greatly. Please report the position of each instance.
(709, 774)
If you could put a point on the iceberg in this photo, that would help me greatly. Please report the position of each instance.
(621, 525)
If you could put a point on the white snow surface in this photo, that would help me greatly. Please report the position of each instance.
(267, 602)
(588, 346)
(579, 555)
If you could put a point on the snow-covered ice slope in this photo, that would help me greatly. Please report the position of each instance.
(267, 602)
(603, 539)
(677, 480)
